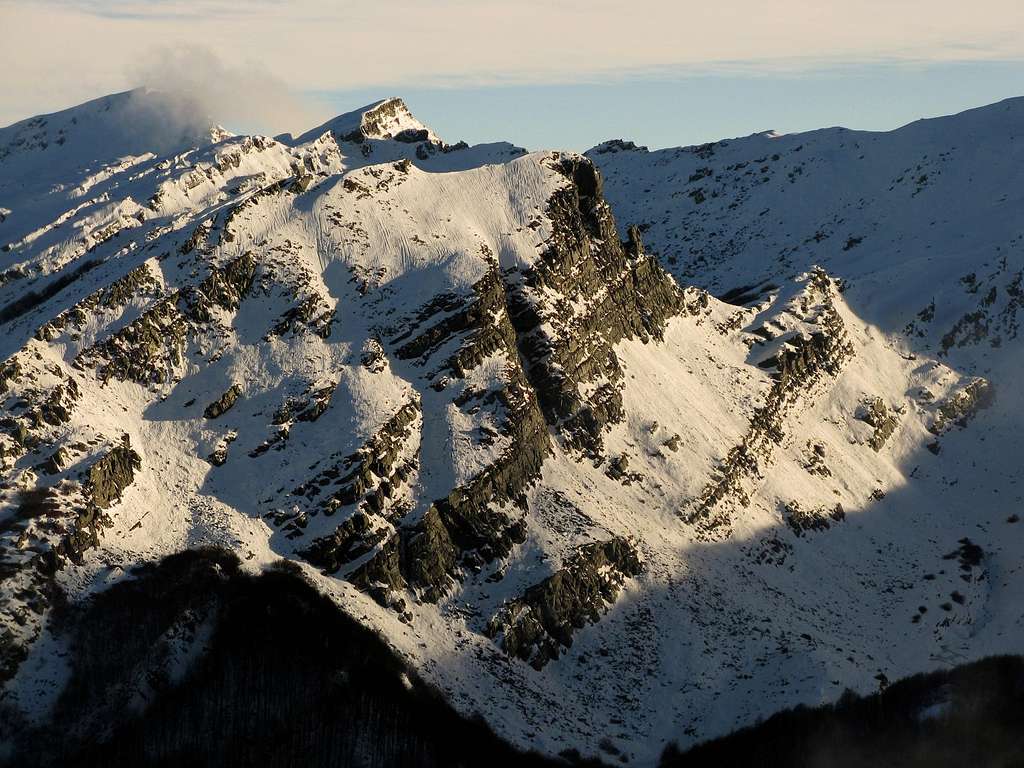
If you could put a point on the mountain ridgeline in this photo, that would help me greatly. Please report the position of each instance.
(348, 440)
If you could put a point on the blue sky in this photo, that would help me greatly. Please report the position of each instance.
(673, 111)
(541, 73)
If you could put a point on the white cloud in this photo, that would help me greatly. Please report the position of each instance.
(54, 53)
(239, 96)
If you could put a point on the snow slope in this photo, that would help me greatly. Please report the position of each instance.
(603, 510)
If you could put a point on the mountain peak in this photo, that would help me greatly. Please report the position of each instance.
(388, 118)
(117, 125)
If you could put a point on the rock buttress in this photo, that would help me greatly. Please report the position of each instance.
(585, 293)
(536, 626)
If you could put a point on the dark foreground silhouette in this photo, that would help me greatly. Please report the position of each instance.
(286, 679)
(969, 716)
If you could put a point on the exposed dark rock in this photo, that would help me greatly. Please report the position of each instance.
(421, 555)
(814, 461)
(801, 363)
(148, 348)
(802, 520)
(56, 462)
(468, 512)
(624, 292)
(312, 312)
(373, 121)
(219, 456)
(969, 555)
(10, 371)
(143, 350)
(412, 135)
(583, 260)
(106, 481)
(372, 357)
(382, 572)
(536, 626)
(351, 540)
(618, 467)
(137, 282)
(876, 414)
(371, 474)
(44, 409)
(616, 145)
(224, 403)
(302, 183)
(198, 236)
(428, 555)
(307, 408)
(109, 476)
(963, 405)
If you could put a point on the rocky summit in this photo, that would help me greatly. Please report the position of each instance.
(579, 458)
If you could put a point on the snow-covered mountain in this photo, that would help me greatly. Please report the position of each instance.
(614, 450)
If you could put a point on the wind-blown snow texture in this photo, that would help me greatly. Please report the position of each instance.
(606, 499)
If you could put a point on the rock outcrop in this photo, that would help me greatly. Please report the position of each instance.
(815, 351)
(139, 282)
(106, 482)
(876, 414)
(801, 520)
(536, 626)
(224, 403)
(606, 291)
(109, 476)
(960, 407)
(557, 355)
(147, 350)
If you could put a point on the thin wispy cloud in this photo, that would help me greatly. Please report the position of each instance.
(158, 9)
(57, 52)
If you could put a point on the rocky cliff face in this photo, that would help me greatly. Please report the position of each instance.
(587, 292)
(593, 491)
(555, 351)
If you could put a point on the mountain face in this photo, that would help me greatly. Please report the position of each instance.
(615, 451)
